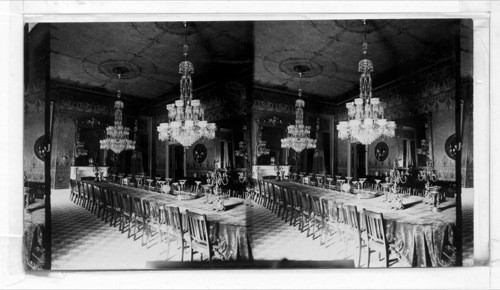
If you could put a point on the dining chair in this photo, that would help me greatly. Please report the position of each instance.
(108, 204)
(352, 229)
(126, 213)
(150, 210)
(330, 219)
(305, 212)
(288, 203)
(138, 217)
(199, 239)
(296, 207)
(79, 194)
(175, 229)
(96, 198)
(101, 201)
(88, 195)
(117, 206)
(278, 197)
(316, 215)
(73, 190)
(264, 194)
(377, 241)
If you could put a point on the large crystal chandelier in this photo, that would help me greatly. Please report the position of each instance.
(186, 122)
(261, 144)
(117, 135)
(366, 120)
(298, 135)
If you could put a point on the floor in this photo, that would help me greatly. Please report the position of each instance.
(81, 241)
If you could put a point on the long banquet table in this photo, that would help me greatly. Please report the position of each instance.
(422, 237)
(228, 230)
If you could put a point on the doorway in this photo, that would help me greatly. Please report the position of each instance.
(176, 162)
(358, 160)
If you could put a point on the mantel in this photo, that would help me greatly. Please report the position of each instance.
(259, 171)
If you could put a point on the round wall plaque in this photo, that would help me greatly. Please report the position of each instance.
(381, 151)
(41, 147)
(450, 146)
(199, 153)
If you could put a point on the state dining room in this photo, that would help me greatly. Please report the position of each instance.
(251, 144)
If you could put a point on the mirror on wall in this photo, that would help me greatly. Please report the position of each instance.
(414, 140)
(88, 132)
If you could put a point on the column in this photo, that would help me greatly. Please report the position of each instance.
(349, 166)
(167, 159)
(367, 147)
(253, 141)
(185, 162)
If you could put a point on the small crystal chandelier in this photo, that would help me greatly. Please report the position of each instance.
(242, 150)
(117, 135)
(366, 120)
(186, 122)
(261, 144)
(298, 135)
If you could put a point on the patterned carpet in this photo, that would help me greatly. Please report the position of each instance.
(83, 242)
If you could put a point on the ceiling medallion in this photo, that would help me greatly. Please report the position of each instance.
(186, 117)
(282, 64)
(366, 121)
(104, 65)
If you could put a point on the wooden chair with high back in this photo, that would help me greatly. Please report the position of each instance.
(352, 229)
(288, 202)
(151, 219)
(108, 203)
(280, 203)
(79, 194)
(296, 211)
(101, 201)
(271, 197)
(316, 214)
(73, 190)
(330, 219)
(377, 241)
(305, 212)
(264, 195)
(116, 212)
(85, 196)
(175, 229)
(126, 213)
(199, 238)
(138, 217)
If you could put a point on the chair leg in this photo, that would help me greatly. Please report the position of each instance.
(182, 249)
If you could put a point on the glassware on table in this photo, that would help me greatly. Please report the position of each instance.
(161, 183)
(362, 181)
(149, 180)
(182, 182)
(197, 185)
(356, 184)
(329, 180)
(377, 181)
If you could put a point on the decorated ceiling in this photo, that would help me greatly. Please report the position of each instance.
(148, 54)
(330, 51)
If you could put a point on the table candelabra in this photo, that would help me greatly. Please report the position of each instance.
(432, 196)
(395, 178)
